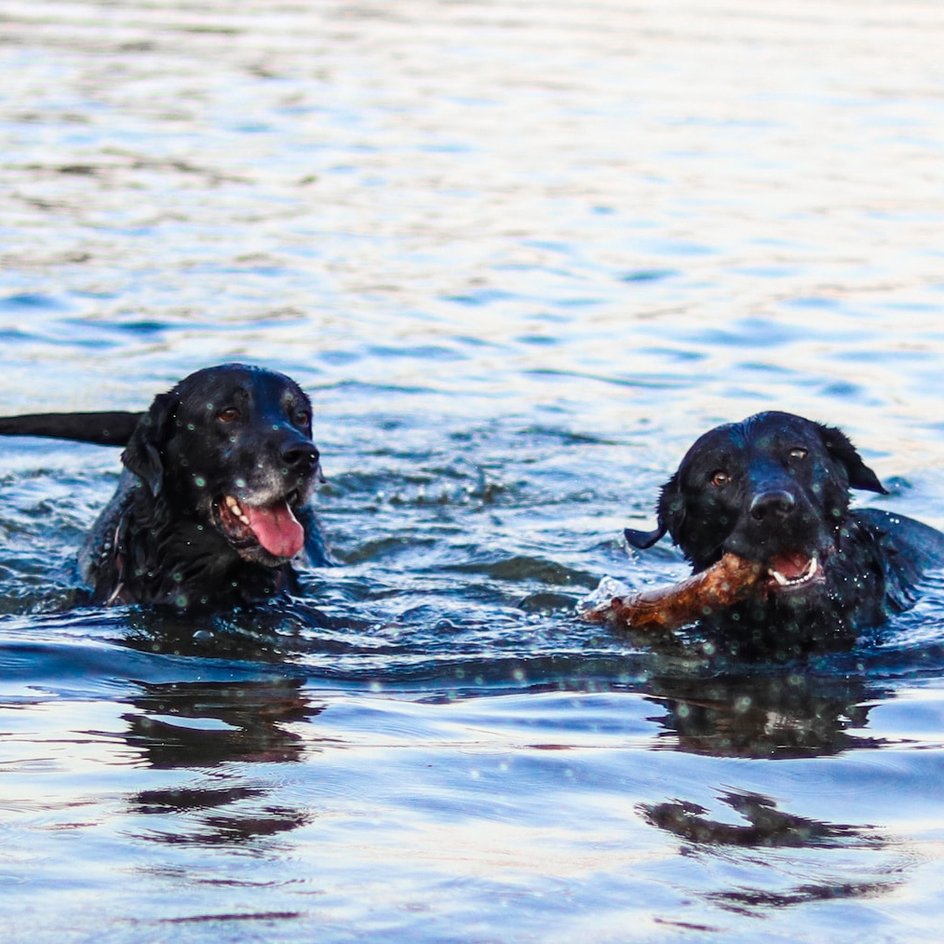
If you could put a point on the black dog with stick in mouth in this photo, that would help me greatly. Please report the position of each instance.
(212, 505)
(774, 490)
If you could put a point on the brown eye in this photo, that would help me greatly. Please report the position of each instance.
(797, 453)
(301, 418)
(720, 478)
(228, 415)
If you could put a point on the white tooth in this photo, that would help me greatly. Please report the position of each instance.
(779, 577)
(243, 519)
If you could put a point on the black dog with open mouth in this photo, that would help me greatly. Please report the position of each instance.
(212, 505)
(774, 489)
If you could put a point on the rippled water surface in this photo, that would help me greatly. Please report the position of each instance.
(520, 254)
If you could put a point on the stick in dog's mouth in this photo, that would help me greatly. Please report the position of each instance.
(667, 608)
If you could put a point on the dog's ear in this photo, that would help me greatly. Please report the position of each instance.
(670, 515)
(841, 449)
(642, 539)
(142, 455)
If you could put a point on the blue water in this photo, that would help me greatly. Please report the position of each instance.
(520, 255)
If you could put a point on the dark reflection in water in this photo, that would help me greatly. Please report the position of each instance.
(207, 726)
(211, 817)
(764, 826)
(174, 725)
(777, 716)
(754, 902)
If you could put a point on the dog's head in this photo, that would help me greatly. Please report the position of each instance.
(773, 489)
(230, 447)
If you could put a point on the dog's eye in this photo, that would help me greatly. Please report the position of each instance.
(228, 415)
(720, 478)
(798, 453)
(301, 417)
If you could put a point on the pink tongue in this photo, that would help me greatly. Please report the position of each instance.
(276, 529)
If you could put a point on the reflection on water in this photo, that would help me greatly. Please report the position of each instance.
(764, 825)
(520, 256)
(781, 716)
(199, 726)
(196, 724)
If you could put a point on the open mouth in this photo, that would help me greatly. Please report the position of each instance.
(791, 571)
(273, 527)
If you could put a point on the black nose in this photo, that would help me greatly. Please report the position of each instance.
(300, 456)
(776, 503)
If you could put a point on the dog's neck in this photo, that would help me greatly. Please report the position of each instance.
(184, 563)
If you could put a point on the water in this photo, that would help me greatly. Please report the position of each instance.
(520, 255)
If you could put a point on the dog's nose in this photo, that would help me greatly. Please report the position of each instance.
(775, 503)
(300, 457)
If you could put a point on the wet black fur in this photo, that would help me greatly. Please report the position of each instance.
(785, 488)
(156, 541)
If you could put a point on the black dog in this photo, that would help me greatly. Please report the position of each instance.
(212, 505)
(775, 489)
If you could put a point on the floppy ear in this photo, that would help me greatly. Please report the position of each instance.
(670, 513)
(142, 455)
(841, 449)
(642, 539)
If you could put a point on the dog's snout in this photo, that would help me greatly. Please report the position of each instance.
(300, 456)
(775, 503)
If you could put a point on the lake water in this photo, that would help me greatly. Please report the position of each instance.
(521, 255)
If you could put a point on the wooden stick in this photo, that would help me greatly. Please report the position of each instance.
(687, 601)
